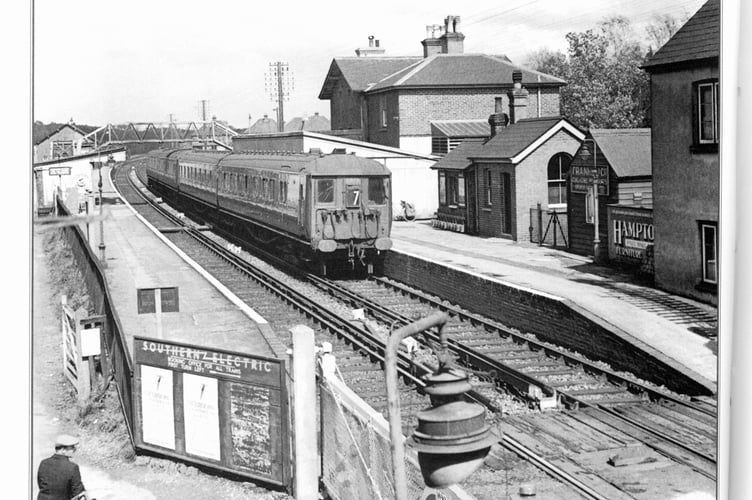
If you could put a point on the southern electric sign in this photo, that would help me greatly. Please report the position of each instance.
(217, 408)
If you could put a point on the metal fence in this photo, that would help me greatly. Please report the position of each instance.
(116, 359)
(548, 227)
(356, 453)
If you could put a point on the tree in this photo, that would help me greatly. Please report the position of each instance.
(605, 86)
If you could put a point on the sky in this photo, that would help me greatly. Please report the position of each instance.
(100, 62)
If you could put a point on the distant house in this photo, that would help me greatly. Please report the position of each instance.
(314, 123)
(64, 142)
(622, 158)
(684, 84)
(405, 102)
(263, 125)
(489, 188)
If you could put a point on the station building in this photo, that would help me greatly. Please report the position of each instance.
(65, 141)
(684, 84)
(488, 188)
(403, 102)
(618, 162)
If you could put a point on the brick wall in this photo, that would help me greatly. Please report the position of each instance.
(418, 107)
(345, 108)
(550, 319)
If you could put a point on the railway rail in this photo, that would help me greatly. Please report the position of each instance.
(535, 371)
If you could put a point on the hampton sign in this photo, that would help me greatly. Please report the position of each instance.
(631, 232)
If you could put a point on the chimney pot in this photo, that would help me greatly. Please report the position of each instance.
(517, 78)
(370, 41)
(498, 106)
(377, 43)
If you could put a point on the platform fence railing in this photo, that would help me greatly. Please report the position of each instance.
(116, 359)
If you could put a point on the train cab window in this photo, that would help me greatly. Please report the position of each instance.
(376, 190)
(325, 190)
(353, 193)
(282, 192)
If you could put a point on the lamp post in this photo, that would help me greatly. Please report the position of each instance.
(596, 235)
(452, 438)
(98, 166)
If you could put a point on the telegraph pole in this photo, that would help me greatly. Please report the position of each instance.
(279, 85)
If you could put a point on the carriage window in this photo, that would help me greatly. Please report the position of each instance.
(353, 193)
(283, 191)
(325, 190)
(376, 190)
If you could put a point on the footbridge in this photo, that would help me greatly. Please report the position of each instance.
(210, 134)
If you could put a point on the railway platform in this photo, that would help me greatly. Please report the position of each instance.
(678, 330)
(138, 257)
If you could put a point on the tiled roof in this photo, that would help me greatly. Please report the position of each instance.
(463, 70)
(512, 140)
(699, 38)
(360, 72)
(263, 126)
(627, 150)
(460, 128)
(314, 123)
(459, 157)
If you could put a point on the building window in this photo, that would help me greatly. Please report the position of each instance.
(558, 169)
(709, 238)
(707, 113)
(590, 206)
(442, 188)
(455, 185)
(489, 199)
(705, 116)
(382, 110)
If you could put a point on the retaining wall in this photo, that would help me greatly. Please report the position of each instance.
(550, 318)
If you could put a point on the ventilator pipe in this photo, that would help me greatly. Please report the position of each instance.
(397, 444)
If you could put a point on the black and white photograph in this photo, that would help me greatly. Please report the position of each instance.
(395, 250)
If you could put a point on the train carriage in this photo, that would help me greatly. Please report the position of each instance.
(329, 209)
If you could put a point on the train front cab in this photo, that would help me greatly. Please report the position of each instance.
(350, 219)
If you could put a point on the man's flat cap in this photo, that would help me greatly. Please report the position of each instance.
(66, 440)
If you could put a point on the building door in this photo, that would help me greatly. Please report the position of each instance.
(506, 203)
(471, 221)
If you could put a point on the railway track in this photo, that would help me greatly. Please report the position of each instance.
(537, 372)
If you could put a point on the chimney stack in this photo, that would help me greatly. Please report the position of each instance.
(372, 49)
(518, 97)
(452, 41)
(431, 45)
(498, 119)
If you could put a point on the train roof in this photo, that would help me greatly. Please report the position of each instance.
(314, 163)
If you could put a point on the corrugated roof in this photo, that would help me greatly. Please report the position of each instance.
(699, 38)
(463, 70)
(360, 72)
(459, 157)
(460, 128)
(513, 139)
(627, 150)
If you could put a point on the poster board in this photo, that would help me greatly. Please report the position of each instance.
(216, 408)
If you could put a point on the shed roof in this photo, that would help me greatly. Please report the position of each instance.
(627, 150)
(698, 39)
(459, 157)
(460, 128)
(462, 70)
(516, 141)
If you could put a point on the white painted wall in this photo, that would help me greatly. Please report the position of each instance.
(82, 176)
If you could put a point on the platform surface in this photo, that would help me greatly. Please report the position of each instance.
(137, 258)
(681, 329)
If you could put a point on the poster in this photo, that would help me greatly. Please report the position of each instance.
(157, 407)
(201, 412)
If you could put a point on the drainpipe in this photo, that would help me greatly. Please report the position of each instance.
(392, 392)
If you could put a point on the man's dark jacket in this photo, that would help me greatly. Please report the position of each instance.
(58, 479)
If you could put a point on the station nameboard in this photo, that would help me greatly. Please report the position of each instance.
(59, 170)
(222, 409)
